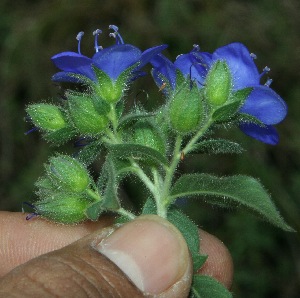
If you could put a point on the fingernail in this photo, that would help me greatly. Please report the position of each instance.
(150, 251)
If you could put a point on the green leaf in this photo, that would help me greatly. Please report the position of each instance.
(90, 152)
(217, 146)
(149, 207)
(110, 198)
(246, 118)
(241, 191)
(137, 151)
(120, 108)
(204, 286)
(93, 211)
(132, 118)
(190, 233)
(101, 106)
(199, 261)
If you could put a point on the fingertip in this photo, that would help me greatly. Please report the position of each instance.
(219, 263)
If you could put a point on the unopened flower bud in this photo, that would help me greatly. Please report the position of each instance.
(218, 84)
(186, 108)
(46, 116)
(63, 208)
(68, 173)
(85, 116)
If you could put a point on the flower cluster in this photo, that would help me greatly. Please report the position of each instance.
(202, 91)
(262, 102)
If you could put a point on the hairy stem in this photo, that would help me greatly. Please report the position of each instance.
(126, 213)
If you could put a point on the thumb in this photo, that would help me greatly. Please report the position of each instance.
(145, 257)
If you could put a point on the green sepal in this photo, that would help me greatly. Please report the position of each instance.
(68, 173)
(89, 153)
(186, 108)
(93, 211)
(180, 78)
(190, 233)
(228, 111)
(109, 90)
(139, 152)
(101, 106)
(204, 286)
(45, 187)
(235, 191)
(217, 146)
(218, 84)
(60, 136)
(63, 208)
(85, 116)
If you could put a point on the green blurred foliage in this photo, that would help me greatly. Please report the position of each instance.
(267, 260)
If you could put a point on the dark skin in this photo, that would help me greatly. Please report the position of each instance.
(58, 260)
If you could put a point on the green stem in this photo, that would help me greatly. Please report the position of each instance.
(126, 213)
(145, 179)
(170, 174)
(113, 118)
(176, 159)
(197, 136)
(158, 184)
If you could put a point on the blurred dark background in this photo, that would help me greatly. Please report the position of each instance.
(267, 260)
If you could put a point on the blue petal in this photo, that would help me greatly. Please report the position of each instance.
(117, 58)
(266, 105)
(68, 77)
(149, 53)
(75, 63)
(241, 65)
(267, 134)
(193, 65)
(163, 66)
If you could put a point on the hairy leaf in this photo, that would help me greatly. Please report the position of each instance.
(89, 152)
(139, 152)
(132, 118)
(217, 146)
(190, 232)
(241, 191)
(204, 286)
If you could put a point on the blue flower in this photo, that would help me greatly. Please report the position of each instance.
(113, 60)
(262, 103)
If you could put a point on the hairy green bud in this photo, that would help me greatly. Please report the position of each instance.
(63, 208)
(186, 108)
(46, 116)
(68, 173)
(85, 116)
(218, 84)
